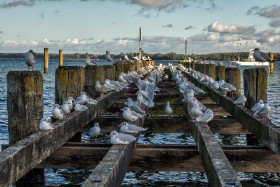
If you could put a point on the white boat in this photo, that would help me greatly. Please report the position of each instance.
(251, 61)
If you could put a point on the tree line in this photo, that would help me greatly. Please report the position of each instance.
(157, 56)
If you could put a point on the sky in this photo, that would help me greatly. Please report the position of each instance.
(94, 26)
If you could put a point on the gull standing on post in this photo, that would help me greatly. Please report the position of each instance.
(101, 89)
(258, 105)
(57, 113)
(117, 138)
(130, 129)
(108, 56)
(30, 58)
(205, 117)
(65, 108)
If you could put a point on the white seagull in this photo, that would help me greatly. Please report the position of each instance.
(130, 129)
(101, 89)
(30, 58)
(45, 124)
(168, 108)
(241, 100)
(117, 138)
(205, 117)
(95, 130)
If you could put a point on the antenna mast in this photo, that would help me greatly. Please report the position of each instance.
(140, 44)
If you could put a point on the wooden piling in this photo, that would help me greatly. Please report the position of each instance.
(232, 76)
(193, 65)
(25, 110)
(69, 82)
(220, 73)
(271, 65)
(210, 70)
(145, 63)
(93, 74)
(119, 68)
(109, 72)
(60, 58)
(46, 60)
(255, 85)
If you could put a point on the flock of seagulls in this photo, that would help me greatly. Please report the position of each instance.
(261, 109)
(134, 110)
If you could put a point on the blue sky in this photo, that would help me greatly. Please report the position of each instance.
(94, 26)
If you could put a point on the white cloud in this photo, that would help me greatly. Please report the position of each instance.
(275, 23)
(268, 12)
(233, 29)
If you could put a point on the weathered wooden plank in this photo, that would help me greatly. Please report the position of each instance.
(267, 132)
(112, 169)
(23, 156)
(163, 157)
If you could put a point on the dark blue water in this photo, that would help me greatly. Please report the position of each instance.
(76, 177)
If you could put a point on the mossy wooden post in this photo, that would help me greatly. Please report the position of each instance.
(126, 67)
(193, 65)
(271, 65)
(60, 58)
(119, 68)
(203, 68)
(145, 63)
(25, 110)
(93, 74)
(255, 85)
(197, 67)
(132, 66)
(210, 70)
(232, 76)
(109, 72)
(69, 82)
(46, 60)
(141, 64)
(220, 73)
(188, 64)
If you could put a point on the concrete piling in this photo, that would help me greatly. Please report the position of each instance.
(46, 60)
(25, 110)
(60, 58)
(220, 73)
(109, 72)
(69, 82)
(255, 85)
(232, 76)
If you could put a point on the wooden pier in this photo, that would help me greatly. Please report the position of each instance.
(55, 149)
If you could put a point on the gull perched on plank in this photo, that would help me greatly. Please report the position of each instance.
(130, 129)
(108, 56)
(57, 113)
(90, 62)
(168, 108)
(205, 117)
(45, 124)
(117, 138)
(65, 108)
(101, 89)
(241, 100)
(30, 58)
(264, 111)
(95, 130)
(258, 105)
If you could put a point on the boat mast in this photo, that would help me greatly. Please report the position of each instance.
(186, 44)
(140, 45)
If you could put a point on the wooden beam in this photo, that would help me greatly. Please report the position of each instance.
(112, 169)
(163, 157)
(24, 155)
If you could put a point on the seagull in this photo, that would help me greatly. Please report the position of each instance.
(57, 113)
(101, 89)
(195, 111)
(70, 103)
(126, 58)
(65, 108)
(168, 109)
(264, 111)
(79, 107)
(45, 124)
(136, 58)
(108, 56)
(258, 105)
(94, 131)
(90, 62)
(134, 107)
(261, 56)
(82, 99)
(117, 138)
(226, 86)
(128, 115)
(205, 117)
(91, 101)
(30, 58)
(241, 100)
(130, 129)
